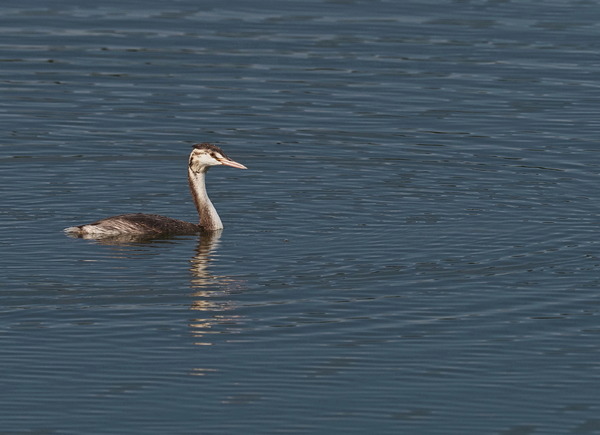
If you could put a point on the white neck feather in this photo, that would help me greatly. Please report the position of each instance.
(209, 218)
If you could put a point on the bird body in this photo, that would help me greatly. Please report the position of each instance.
(203, 156)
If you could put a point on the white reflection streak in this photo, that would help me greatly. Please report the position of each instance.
(208, 291)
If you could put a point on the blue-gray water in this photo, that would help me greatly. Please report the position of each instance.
(413, 250)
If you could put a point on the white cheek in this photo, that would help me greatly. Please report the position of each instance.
(201, 161)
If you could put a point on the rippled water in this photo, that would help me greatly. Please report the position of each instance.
(412, 250)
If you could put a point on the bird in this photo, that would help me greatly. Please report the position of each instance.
(202, 157)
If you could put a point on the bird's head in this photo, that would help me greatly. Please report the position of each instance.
(205, 155)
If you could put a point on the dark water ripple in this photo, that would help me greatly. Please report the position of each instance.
(413, 249)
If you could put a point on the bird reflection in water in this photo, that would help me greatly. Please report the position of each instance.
(211, 305)
(208, 290)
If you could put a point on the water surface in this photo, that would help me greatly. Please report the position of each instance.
(412, 250)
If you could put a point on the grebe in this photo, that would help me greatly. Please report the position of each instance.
(203, 156)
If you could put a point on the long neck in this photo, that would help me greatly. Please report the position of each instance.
(209, 219)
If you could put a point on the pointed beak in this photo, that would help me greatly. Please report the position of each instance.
(231, 163)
